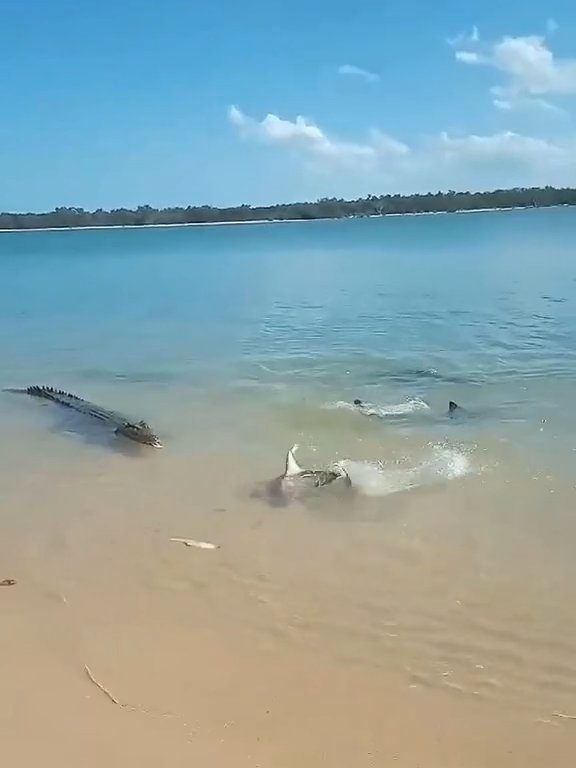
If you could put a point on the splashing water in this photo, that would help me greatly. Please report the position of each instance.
(377, 479)
(412, 405)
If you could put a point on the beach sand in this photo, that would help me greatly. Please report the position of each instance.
(405, 639)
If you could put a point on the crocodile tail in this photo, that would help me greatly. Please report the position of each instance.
(49, 393)
(39, 391)
(36, 391)
(66, 394)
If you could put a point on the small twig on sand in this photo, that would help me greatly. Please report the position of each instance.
(194, 543)
(7, 582)
(564, 716)
(102, 688)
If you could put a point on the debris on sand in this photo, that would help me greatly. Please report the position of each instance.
(194, 543)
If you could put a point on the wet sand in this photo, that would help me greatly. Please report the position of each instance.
(433, 628)
(429, 622)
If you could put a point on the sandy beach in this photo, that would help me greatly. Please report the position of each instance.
(287, 496)
(302, 640)
(424, 620)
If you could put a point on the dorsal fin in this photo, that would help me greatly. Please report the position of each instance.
(452, 406)
(292, 466)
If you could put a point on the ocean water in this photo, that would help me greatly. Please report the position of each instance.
(296, 318)
(235, 342)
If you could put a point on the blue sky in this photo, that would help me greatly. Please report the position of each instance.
(108, 104)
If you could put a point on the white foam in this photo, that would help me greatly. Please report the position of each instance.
(412, 405)
(378, 479)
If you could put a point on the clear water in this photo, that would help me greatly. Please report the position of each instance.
(235, 342)
(478, 308)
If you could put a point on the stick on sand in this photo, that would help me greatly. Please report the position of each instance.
(102, 688)
(194, 543)
(564, 716)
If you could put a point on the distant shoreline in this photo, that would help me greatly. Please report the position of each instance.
(162, 226)
(502, 209)
(324, 209)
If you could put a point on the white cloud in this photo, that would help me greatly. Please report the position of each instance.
(305, 136)
(503, 146)
(503, 102)
(488, 161)
(274, 128)
(387, 146)
(468, 57)
(364, 74)
(236, 117)
(531, 69)
(472, 160)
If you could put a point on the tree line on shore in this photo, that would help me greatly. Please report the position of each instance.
(325, 208)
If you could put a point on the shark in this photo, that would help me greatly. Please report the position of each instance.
(455, 410)
(296, 480)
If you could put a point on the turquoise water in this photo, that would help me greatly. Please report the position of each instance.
(235, 342)
(479, 308)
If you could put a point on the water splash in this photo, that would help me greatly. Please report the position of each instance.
(412, 405)
(375, 478)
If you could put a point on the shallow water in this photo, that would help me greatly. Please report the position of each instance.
(451, 561)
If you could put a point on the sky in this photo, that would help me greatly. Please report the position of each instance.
(124, 103)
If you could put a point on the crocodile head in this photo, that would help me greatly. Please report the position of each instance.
(141, 433)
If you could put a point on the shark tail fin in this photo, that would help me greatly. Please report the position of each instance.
(292, 466)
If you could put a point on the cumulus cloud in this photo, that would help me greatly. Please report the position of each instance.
(274, 128)
(305, 136)
(531, 69)
(503, 146)
(387, 146)
(437, 161)
(533, 76)
(491, 160)
(364, 74)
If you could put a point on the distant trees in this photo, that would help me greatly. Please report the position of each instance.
(325, 208)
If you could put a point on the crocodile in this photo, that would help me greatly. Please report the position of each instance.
(139, 431)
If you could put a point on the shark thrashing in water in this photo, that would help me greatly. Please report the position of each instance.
(138, 431)
(369, 409)
(296, 479)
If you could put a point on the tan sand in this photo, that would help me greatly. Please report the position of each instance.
(413, 637)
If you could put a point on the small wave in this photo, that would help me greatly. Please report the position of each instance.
(377, 479)
(134, 377)
(412, 405)
(413, 376)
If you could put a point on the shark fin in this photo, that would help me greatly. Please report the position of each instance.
(452, 406)
(292, 466)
